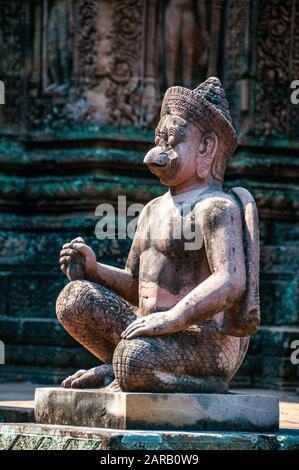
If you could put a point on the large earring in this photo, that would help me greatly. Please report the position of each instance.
(203, 167)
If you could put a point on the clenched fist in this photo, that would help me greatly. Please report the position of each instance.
(78, 261)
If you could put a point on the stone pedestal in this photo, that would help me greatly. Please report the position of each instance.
(155, 411)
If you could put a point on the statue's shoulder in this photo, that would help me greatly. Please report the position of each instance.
(153, 202)
(150, 206)
(219, 205)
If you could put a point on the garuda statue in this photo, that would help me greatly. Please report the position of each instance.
(179, 316)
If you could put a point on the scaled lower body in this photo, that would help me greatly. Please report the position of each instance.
(200, 359)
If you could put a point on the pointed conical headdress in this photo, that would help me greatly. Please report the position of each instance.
(205, 106)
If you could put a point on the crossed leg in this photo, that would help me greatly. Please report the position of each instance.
(199, 359)
(95, 317)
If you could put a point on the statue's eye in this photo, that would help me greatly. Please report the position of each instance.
(157, 136)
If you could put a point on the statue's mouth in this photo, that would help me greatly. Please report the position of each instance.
(157, 168)
(157, 165)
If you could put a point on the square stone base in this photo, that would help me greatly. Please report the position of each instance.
(156, 411)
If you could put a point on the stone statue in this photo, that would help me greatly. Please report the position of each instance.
(178, 318)
(181, 35)
(58, 46)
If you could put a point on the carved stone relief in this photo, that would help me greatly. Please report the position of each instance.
(277, 63)
(109, 59)
(98, 62)
(12, 39)
(184, 37)
(262, 43)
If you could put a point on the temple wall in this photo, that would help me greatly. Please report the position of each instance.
(84, 81)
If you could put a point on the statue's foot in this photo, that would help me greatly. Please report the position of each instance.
(96, 377)
(113, 387)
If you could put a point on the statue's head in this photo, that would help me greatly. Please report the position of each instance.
(195, 137)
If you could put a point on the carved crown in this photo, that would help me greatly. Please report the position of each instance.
(207, 107)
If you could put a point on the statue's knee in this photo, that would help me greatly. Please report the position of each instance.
(71, 301)
(134, 364)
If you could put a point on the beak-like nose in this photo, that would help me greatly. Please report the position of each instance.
(156, 157)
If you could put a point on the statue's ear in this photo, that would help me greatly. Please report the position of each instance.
(205, 154)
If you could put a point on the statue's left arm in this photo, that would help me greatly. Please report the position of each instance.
(223, 240)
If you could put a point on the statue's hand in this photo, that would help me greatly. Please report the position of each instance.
(77, 260)
(155, 324)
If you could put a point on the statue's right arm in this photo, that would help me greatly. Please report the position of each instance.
(125, 282)
(122, 281)
(78, 261)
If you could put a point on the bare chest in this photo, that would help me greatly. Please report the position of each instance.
(173, 232)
